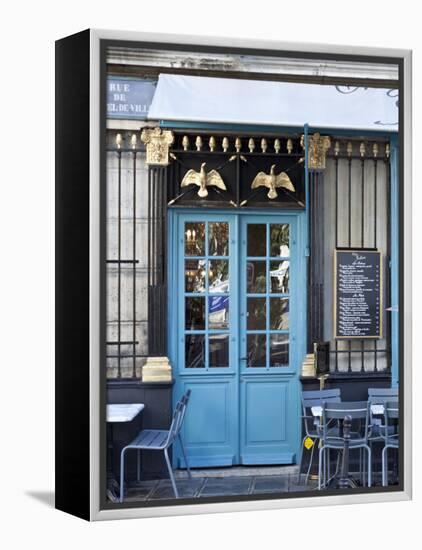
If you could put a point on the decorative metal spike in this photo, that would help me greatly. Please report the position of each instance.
(119, 140)
(349, 148)
(133, 141)
(375, 149)
(212, 143)
(225, 144)
(264, 145)
(387, 150)
(362, 149)
(289, 146)
(336, 148)
(238, 145)
(185, 143)
(277, 145)
(251, 145)
(198, 143)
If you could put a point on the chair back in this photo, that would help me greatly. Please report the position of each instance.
(380, 395)
(316, 398)
(391, 409)
(390, 429)
(357, 410)
(174, 426)
(184, 402)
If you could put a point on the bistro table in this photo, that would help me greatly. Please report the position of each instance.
(123, 412)
(118, 412)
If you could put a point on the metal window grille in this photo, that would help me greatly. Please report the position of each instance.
(127, 197)
(357, 213)
(354, 211)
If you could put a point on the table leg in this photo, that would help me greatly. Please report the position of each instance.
(113, 487)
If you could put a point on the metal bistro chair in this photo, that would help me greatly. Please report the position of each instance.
(313, 399)
(379, 396)
(159, 440)
(391, 437)
(358, 411)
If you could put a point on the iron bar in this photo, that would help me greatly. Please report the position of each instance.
(164, 247)
(134, 269)
(350, 240)
(240, 153)
(119, 252)
(121, 342)
(149, 306)
(358, 351)
(375, 245)
(122, 261)
(158, 255)
(336, 240)
(362, 241)
(129, 356)
(388, 259)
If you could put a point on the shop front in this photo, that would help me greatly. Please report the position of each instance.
(252, 246)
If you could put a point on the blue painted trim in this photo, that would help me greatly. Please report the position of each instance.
(382, 132)
(307, 210)
(395, 281)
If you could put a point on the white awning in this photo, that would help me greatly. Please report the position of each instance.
(255, 102)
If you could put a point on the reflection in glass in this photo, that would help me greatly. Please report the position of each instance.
(218, 276)
(256, 350)
(195, 313)
(218, 235)
(279, 239)
(195, 275)
(256, 314)
(194, 239)
(279, 350)
(257, 239)
(195, 351)
(279, 313)
(218, 312)
(256, 277)
(219, 350)
(279, 273)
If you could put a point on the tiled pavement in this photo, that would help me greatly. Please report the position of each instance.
(200, 487)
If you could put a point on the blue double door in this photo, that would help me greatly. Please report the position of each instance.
(237, 297)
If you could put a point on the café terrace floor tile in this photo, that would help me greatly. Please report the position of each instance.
(210, 486)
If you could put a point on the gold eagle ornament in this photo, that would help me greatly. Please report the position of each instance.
(272, 181)
(203, 179)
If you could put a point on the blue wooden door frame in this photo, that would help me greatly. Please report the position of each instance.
(269, 396)
(229, 389)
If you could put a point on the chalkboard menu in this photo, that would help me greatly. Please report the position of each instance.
(357, 294)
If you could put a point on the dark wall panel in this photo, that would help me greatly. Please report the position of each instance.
(72, 274)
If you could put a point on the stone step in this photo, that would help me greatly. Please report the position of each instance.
(240, 471)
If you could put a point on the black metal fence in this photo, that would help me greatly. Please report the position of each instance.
(352, 211)
(358, 187)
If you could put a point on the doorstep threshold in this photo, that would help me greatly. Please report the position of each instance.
(240, 471)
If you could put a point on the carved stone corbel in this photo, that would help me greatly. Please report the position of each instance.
(317, 149)
(157, 142)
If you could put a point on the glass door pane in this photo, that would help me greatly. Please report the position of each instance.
(266, 303)
(207, 294)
